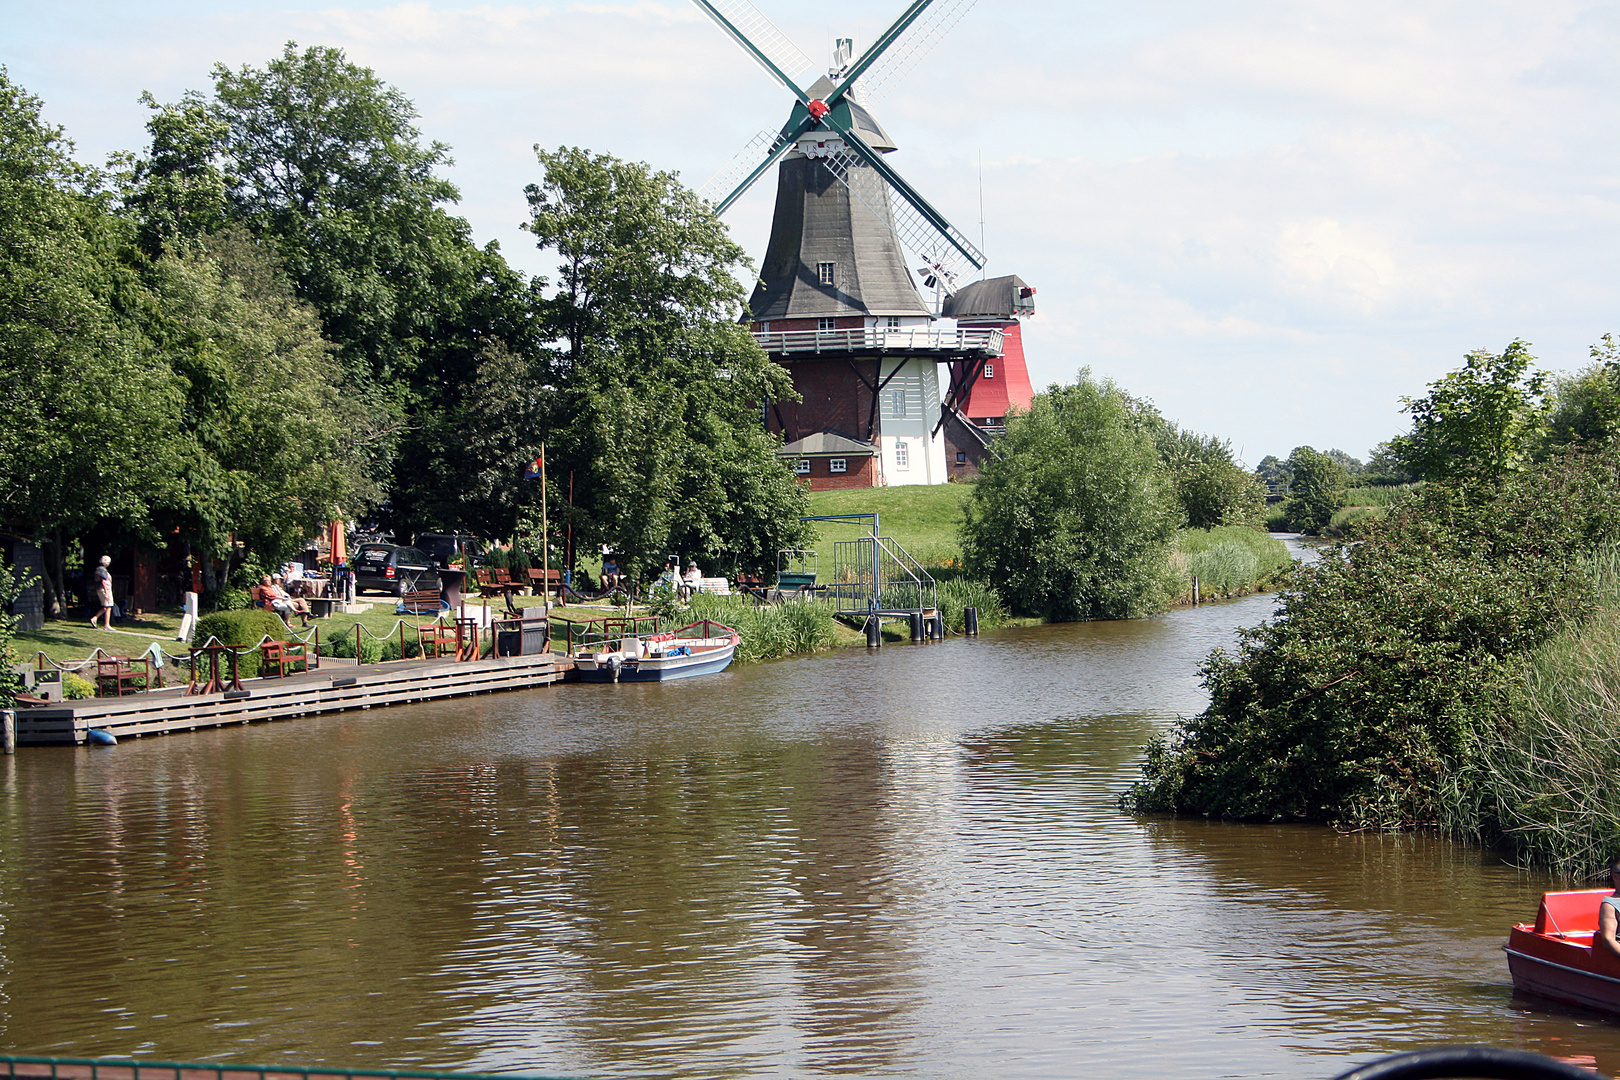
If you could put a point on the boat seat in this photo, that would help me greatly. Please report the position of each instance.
(1569, 913)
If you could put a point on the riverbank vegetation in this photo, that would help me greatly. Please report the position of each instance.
(1227, 561)
(1455, 668)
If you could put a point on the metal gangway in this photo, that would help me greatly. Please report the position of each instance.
(874, 576)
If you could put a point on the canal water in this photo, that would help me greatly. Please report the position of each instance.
(907, 862)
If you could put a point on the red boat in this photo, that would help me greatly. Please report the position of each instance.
(1555, 959)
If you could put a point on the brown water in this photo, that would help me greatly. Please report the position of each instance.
(898, 863)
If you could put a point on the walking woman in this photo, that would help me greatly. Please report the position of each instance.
(104, 594)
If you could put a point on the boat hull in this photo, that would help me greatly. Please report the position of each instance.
(664, 669)
(1563, 970)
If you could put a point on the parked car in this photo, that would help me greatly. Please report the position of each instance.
(446, 546)
(393, 569)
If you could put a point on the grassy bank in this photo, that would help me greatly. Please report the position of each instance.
(923, 519)
(1231, 560)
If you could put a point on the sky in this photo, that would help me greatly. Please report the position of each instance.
(1273, 219)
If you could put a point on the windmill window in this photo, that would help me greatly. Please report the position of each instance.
(825, 273)
(989, 371)
(837, 464)
(826, 324)
(902, 456)
(893, 322)
(961, 457)
(897, 402)
(802, 466)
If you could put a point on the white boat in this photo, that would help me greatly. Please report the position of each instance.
(699, 649)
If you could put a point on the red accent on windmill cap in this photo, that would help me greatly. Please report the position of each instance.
(819, 108)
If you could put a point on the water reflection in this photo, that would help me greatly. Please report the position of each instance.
(902, 863)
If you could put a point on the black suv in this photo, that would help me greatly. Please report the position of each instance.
(393, 569)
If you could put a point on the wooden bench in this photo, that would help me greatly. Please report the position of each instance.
(421, 602)
(120, 675)
(485, 580)
(542, 582)
(284, 656)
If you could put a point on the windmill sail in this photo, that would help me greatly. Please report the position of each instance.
(907, 52)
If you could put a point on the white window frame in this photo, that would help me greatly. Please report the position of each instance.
(802, 466)
(989, 371)
(897, 402)
(902, 454)
(827, 273)
(824, 326)
(837, 465)
(892, 322)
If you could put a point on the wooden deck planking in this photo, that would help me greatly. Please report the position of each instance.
(305, 694)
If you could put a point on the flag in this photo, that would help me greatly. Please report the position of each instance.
(535, 469)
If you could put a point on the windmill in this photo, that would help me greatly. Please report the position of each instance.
(836, 301)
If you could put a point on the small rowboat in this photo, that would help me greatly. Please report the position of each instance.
(1555, 959)
(702, 648)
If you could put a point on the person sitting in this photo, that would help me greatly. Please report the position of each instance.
(274, 597)
(1609, 916)
(611, 575)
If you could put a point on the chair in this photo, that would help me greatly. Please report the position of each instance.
(285, 656)
(120, 675)
(437, 636)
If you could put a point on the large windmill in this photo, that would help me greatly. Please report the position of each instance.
(836, 301)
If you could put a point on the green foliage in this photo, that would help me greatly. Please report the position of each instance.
(770, 630)
(1316, 491)
(1586, 405)
(232, 599)
(76, 688)
(1391, 660)
(1211, 488)
(1274, 474)
(1380, 495)
(1229, 561)
(341, 644)
(1479, 422)
(243, 628)
(1071, 518)
(1544, 786)
(12, 584)
(1352, 466)
(647, 405)
(1384, 466)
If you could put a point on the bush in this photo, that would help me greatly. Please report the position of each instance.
(243, 628)
(76, 688)
(1072, 517)
(232, 599)
(1390, 663)
(341, 644)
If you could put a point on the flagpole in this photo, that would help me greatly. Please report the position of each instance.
(545, 543)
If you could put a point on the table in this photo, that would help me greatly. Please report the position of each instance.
(215, 683)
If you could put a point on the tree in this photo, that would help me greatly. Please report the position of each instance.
(648, 400)
(1211, 488)
(1481, 421)
(1585, 407)
(1384, 467)
(1072, 516)
(1273, 473)
(87, 410)
(1316, 492)
(1352, 466)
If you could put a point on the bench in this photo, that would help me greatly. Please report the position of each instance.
(284, 656)
(542, 582)
(439, 638)
(1570, 913)
(421, 602)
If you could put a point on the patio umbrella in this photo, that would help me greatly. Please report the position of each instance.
(340, 543)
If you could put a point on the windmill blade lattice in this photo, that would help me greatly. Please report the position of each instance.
(742, 19)
(915, 232)
(909, 50)
(759, 151)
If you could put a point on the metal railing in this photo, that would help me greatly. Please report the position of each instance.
(883, 339)
(873, 573)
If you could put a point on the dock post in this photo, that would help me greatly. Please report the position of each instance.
(970, 621)
(8, 731)
(938, 624)
(916, 626)
(874, 632)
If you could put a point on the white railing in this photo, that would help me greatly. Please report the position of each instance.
(882, 339)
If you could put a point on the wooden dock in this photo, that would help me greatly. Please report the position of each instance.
(335, 687)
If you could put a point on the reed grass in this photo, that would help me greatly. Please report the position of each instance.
(1378, 495)
(1545, 785)
(768, 630)
(1228, 561)
(958, 594)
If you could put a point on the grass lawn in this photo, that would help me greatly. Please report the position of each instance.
(923, 519)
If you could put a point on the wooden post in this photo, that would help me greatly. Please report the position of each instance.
(359, 653)
(8, 731)
(545, 541)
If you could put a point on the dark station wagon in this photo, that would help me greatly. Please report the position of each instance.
(393, 569)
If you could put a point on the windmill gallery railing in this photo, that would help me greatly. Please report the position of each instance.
(883, 339)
